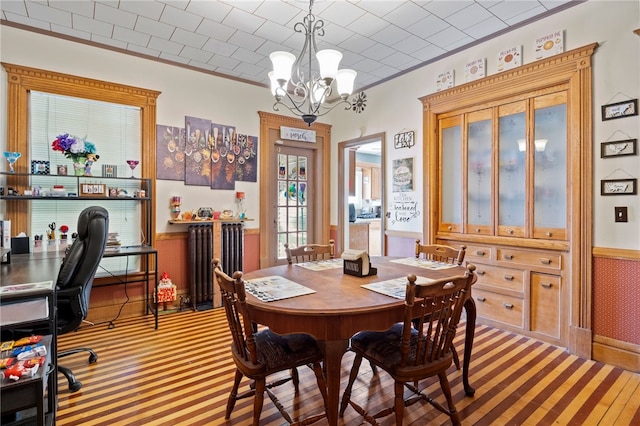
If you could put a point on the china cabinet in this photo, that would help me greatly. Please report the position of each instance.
(509, 160)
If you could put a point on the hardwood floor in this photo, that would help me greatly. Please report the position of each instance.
(181, 374)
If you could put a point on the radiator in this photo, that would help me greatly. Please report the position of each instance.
(200, 267)
(232, 247)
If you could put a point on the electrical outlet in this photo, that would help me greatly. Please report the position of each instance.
(621, 214)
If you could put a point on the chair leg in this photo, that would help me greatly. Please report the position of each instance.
(446, 390)
(346, 397)
(74, 385)
(456, 360)
(322, 383)
(258, 401)
(398, 402)
(93, 357)
(231, 402)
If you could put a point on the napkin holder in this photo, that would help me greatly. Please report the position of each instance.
(356, 263)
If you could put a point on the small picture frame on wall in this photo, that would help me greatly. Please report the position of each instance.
(40, 167)
(62, 169)
(620, 110)
(618, 148)
(619, 187)
(109, 170)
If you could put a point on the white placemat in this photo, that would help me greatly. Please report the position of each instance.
(395, 287)
(321, 265)
(424, 263)
(269, 289)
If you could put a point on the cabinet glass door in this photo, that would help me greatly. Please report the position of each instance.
(512, 146)
(479, 172)
(550, 172)
(451, 174)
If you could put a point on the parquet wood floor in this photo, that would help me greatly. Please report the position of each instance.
(181, 374)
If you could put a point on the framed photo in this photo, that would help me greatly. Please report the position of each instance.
(40, 167)
(618, 148)
(620, 110)
(62, 169)
(109, 170)
(619, 187)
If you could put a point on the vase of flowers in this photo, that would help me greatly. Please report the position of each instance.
(79, 150)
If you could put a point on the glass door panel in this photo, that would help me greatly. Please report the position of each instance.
(550, 172)
(451, 196)
(512, 150)
(479, 172)
(292, 208)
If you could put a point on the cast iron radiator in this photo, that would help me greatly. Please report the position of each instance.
(232, 247)
(200, 267)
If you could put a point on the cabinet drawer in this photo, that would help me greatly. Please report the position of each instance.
(545, 304)
(499, 307)
(477, 253)
(505, 278)
(529, 258)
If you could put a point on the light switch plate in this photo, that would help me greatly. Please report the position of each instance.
(621, 214)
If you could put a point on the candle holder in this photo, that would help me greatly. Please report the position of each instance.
(176, 202)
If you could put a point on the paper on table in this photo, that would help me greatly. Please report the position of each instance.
(321, 265)
(424, 263)
(269, 289)
(395, 287)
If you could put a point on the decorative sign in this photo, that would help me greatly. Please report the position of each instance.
(474, 70)
(404, 140)
(549, 45)
(445, 80)
(300, 135)
(510, 58)
(403, 209)
(93, 190)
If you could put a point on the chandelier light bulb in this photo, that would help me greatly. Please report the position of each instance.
(540, 144)
(345, 80)
(282, 64)
(328, 60)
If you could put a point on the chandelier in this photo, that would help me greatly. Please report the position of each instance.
(302, 91)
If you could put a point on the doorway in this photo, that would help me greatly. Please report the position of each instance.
(361, 194)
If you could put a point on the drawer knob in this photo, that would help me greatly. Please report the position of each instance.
(507, 256)
(477, 229)
(549, 234)
(510, 231)
(507, 305)
(545, 261)
(481, 299)
(508, 277)
(480, 272)
(546, 285)
(449, 227)
(479, 253)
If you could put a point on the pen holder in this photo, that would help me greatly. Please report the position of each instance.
(354, 267)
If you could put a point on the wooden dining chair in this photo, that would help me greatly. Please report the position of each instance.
(441, 253)
(309, 252)
(446, 254)
(410, 352)
(261, 353)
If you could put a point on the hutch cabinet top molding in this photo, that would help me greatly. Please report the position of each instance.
(555, 70)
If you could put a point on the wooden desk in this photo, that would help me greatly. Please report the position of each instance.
(340, 308)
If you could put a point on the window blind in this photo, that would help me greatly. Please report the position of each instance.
(115, 130)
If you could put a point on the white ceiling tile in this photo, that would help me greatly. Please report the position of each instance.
(276, 32)
(446, 37)
(427, 26)
(485, 28)
(367, 25)
(174, 58)
(428, 53)
(195, 54)
(411, 44)
(154, 28)
(248, 41)
(152, 10)
(246, 55)
(144, 50)
(357, 43)
(72, 32)
(248, 69)
(24, 20)
(130, 36)
(188, 38)
(384, 71)
(278, 12)
(391, 35)
(216, 30)
(335, 34)
(527, 14)
(224, 61)
(243, 21)
(92, 26)
(248, 6)
(15, 7)
(180, 18)
(341, 13)
(398, 60)
(381, 8)
(468, 16)
(506, 10)
(115, 16)
(443, 9)
(407, 14)
(84, 8)
(213, 10)
(45, 13)
(180, 4)
(219, 47)
(165, 45)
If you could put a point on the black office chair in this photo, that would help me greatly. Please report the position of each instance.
(76, 278)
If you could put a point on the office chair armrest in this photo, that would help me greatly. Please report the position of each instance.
(68, 293)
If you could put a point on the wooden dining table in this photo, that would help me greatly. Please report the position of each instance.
(340, 307)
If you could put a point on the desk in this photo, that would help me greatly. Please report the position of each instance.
(43, 266)
(340, 308)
